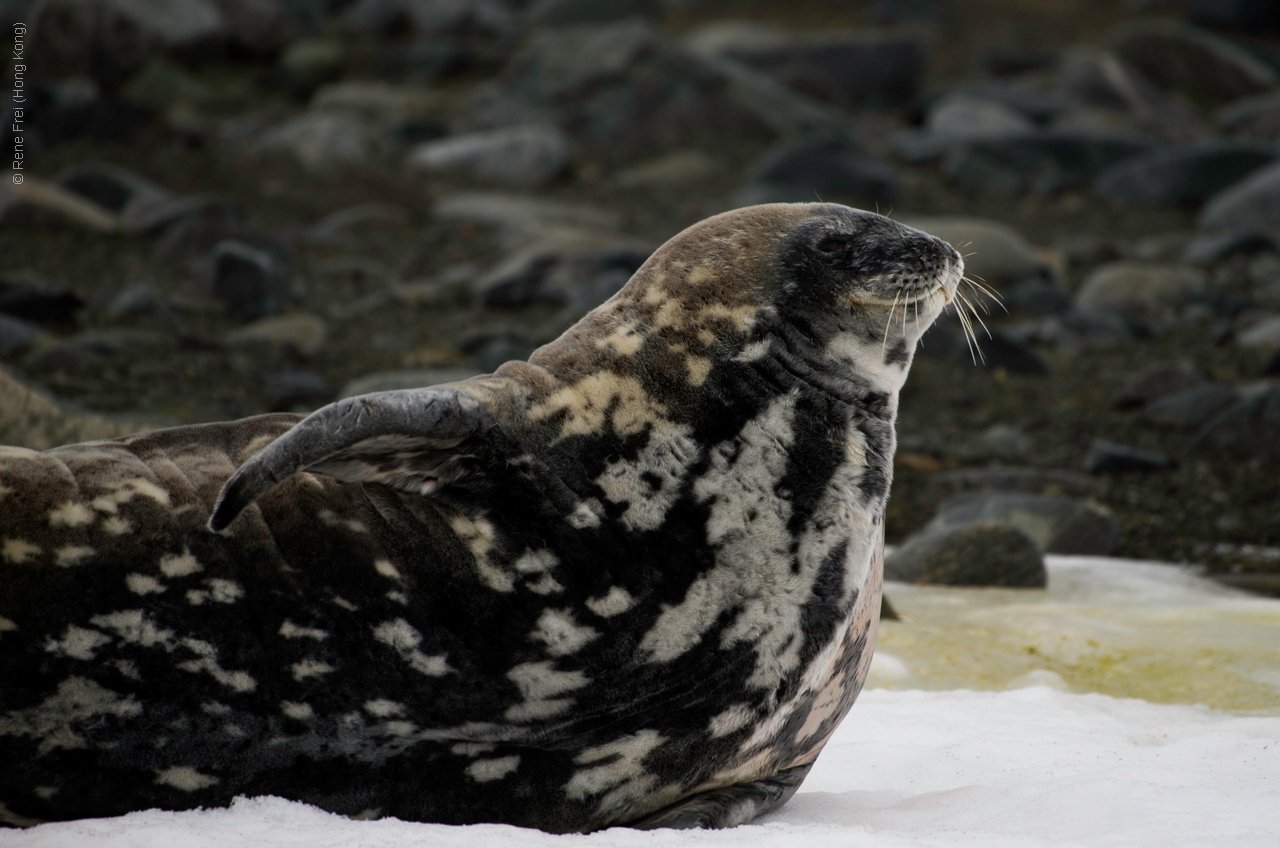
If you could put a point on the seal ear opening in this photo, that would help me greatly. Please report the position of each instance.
(408, 440)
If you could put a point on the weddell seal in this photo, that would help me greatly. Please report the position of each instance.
(632, 581)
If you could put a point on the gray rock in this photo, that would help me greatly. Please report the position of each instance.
(1038, 481)
(1146, 292)
(376, 16)
(960, 117)
(527, 156)
(846, 67)
(1211, 248)
(307, 62)
(561, 12)
(1101, 81)
(299, 332)
(1077, 327)
(287, 390)
(1043, 161)
(1257, 116)
(1158, 381)
(1252, 202)
(1184, 175)
(993, 251)
(1058, 525)
(983, 554)
(140, 299)
(489, 353)
(1002, 441)
(322, 140)
(809, 169)
(15, 335)
(684, 167)
(626, 94)
(88, 348)
(1264, 335)
(523, 219)
(258, 25)
(1272, 368)
(1190, 408)
(1245, 430)
(452, 17)
(1000, 350)
(1192, 60)
(250, 282)
(30, 297)
(1109, 458)
(139, 204)
(1037, 295)
(390, 381)
(1247, 15)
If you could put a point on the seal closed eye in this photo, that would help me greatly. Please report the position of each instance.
(634, 580)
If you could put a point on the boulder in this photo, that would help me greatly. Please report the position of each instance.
(250, 282)
(1184, 175)
(982, 554)
(1252, 202)
(809, 169)
(529, 156)
(1189, 409)
(850, 68)
(1145, 292)
(1181, 57)
(298, 332)
(1246, 430)
(322, 140)
(1158, 381)
(1058, 525)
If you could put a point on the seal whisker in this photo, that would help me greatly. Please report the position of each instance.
(889, 323)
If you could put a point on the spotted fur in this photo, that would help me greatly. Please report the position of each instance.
(633, 580)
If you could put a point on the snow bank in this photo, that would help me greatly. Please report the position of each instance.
(1025, 768)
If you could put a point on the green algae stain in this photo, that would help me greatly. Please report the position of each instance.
(1128, 630)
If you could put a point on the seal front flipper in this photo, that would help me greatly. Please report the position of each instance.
(414, 440)
(730, 806)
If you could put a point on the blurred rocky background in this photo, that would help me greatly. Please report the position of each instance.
(236, 206)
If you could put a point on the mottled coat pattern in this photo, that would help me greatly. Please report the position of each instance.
(633, 580)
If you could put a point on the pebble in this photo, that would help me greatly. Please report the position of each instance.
(1109, 458)
(680, 168)
(1058, 525)
(981, 554)
(1042, 162)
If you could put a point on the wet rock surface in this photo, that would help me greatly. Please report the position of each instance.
(234, 208)
(975, 555)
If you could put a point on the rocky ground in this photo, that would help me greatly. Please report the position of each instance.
(241, 206)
